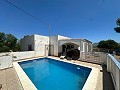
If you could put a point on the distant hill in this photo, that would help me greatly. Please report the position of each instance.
(95, 44)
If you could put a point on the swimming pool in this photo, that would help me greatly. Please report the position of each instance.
(50, 74)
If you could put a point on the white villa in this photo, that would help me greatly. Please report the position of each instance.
(56, 46)
(105, 69)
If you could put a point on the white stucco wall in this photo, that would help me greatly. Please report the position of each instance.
(61, 42)
(6, 59)
(27, 40)
(5, 62)
(41, 45)
(23, 55)
(54, 42)
(89, 47)
(62, 37)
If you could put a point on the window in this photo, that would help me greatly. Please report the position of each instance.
(68, 47)
(29, 47)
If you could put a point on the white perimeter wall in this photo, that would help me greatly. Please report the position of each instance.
(6, 59)
(23, 55)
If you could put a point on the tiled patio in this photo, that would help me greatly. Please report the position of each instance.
(9, 80)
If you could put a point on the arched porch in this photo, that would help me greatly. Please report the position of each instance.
(69, 50)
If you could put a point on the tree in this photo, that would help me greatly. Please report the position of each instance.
(117, 29)
(108, 44)
(8, 42)
(11, 41)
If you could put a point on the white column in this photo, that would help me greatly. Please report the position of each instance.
(81, 49)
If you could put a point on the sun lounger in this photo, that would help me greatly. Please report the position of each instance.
(62, 57)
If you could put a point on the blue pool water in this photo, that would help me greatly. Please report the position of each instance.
(50, 74)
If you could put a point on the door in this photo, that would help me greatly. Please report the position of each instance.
(51, 50)
(46, 50)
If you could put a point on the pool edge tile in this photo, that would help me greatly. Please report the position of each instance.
(24, 79)
(92, 79)
(90, 83)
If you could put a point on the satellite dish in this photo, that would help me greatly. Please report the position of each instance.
(78, 48)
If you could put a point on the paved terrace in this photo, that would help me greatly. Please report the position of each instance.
(104, 78)
(10, 81)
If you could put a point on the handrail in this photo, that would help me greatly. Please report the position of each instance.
(113, 66)
(115, 61)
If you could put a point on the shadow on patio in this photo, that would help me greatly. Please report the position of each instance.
(107, 80)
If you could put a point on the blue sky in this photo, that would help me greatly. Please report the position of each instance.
(90, 19)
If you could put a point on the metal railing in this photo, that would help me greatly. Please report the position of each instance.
(113, 66)
(96, 57)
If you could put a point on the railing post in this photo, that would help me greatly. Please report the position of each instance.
(113, 66)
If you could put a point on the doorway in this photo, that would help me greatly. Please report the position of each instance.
(46, 50)
(51, 50)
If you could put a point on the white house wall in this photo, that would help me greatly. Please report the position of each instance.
(85, 47)
(27, 40)
(54, 42)
(41, 45)
(62, 37)
(69, 41)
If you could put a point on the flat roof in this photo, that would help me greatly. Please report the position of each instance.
(76, 40)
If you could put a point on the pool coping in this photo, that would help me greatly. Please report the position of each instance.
(27, 84)
(91, 81)
(24, 79)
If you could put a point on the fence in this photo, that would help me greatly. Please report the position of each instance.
(96, 57)
(113, 65)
